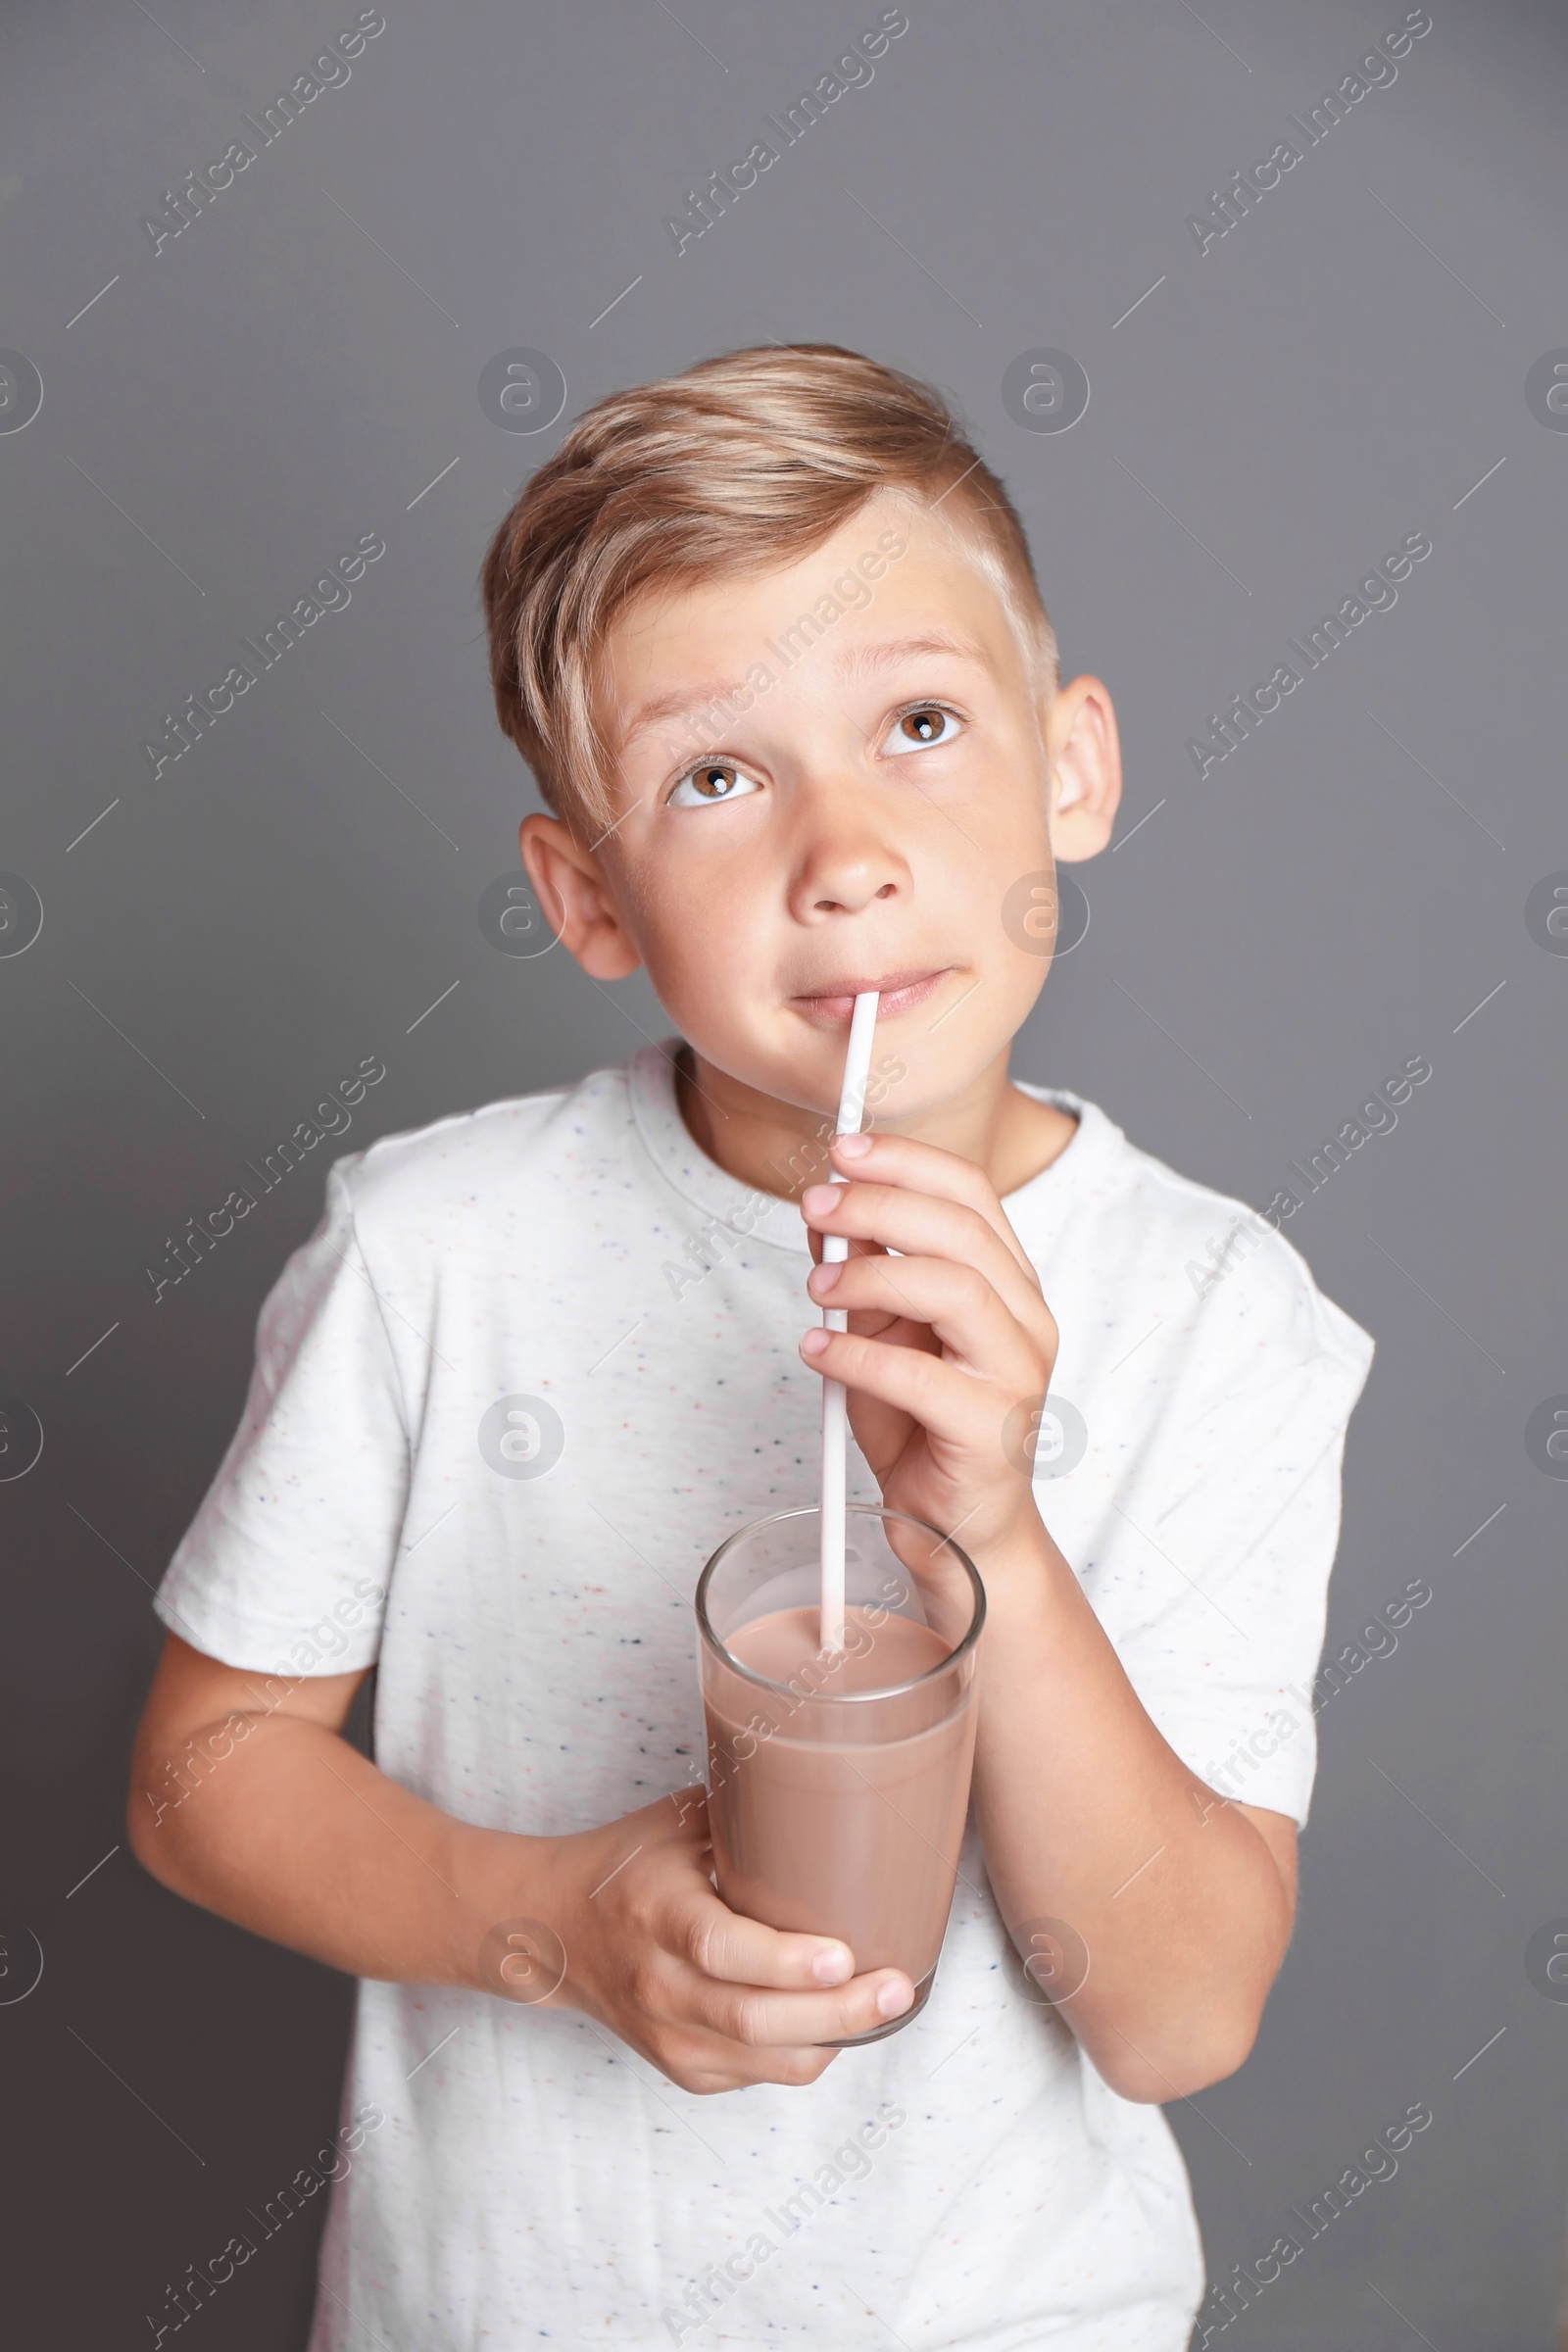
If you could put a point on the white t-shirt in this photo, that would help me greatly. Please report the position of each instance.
(969, 2179)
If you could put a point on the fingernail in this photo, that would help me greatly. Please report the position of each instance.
(851, 1146)
(814, 1341)
(819, 1199)
(832, 1967)
(893, 1998)
(822, 1278)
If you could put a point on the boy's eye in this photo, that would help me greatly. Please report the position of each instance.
(918, 729)
(709, 781)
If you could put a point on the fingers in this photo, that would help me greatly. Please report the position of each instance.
(898, 1217)
(761, 2001)
(736, 1950)
(951, 1406)
(777, 2022)
(898, 1159)
(924, 1225)
(956, 1301)
(713, 1999)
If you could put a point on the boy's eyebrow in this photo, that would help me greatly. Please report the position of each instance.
(686, 702)
(894, 649)
(695, 700)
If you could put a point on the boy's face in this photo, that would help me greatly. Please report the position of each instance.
(854, 815)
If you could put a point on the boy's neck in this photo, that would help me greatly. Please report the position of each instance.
(778, 1148)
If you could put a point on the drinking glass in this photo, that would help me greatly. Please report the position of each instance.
(839, 1780)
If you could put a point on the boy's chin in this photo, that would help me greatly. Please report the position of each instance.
(804, 1089)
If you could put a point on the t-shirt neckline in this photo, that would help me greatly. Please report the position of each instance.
(1041, 1200)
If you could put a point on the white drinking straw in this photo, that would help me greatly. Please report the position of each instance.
(835, 1418)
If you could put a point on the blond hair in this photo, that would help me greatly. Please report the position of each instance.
(736, 467)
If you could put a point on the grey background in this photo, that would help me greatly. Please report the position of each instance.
(231, 939)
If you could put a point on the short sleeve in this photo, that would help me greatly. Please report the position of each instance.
(286, 1566)
(1237, 1516)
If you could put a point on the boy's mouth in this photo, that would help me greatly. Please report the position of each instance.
(899, 992)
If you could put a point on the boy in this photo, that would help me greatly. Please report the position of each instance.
(768, 636)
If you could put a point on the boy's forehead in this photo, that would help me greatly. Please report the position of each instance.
(869, 610)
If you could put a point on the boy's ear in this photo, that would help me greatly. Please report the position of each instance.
(1085, 756)
(577, 905)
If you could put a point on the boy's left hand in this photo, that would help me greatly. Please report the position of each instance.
(950, 1346)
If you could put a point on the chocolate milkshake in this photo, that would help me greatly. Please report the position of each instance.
(839, 1780)
(822, 1823)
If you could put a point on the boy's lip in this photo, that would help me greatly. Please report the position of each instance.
(899, 992)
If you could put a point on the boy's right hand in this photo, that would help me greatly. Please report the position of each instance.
(713, 2000)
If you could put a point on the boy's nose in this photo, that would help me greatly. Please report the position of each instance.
(842, 868)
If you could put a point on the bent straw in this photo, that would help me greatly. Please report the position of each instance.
(835, 1417)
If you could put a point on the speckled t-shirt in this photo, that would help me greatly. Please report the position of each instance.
(534, 1364)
